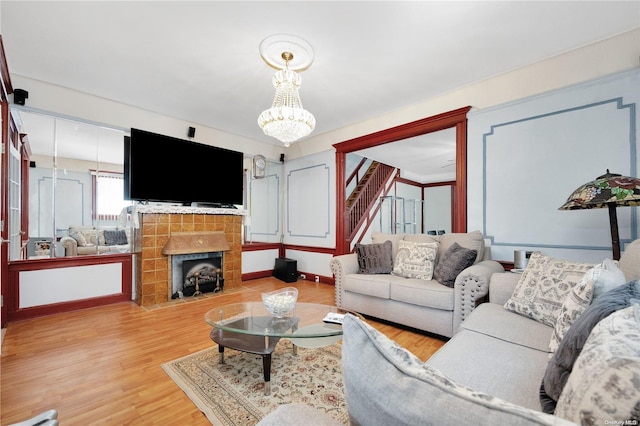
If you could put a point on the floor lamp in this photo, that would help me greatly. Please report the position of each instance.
(611, 191)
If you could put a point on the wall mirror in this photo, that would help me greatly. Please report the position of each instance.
(410, 138)
(74, 175)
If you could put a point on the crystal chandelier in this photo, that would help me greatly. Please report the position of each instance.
(286, 120)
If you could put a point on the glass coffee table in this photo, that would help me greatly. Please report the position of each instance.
(249, 327)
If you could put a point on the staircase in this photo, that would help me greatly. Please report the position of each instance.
(365, 196)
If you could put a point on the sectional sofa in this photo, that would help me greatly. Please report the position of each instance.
(503, 364)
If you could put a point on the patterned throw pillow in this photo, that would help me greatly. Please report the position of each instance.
(605, 381)
(453, 261)
(543, 287)
(581, 296)
(415, 260)
(79, 237)
(374, 258)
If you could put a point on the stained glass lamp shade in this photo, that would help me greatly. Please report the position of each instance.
(609, 190)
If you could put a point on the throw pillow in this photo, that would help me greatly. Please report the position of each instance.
(385, 384)
(415, 260)
(379, 238)
(453, 261)
(543, 287)
(577, 301)
(79, 237)
(374, 258)
(562, 361)
(115, 237)
(604, 384)
(610, 277)
(472, 240)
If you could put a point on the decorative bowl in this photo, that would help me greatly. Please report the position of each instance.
(281, 302)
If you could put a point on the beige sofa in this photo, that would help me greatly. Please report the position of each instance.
(422, 304)
(87, 240)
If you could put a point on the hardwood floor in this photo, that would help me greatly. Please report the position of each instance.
(103, 365)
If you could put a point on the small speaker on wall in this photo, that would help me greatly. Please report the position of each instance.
(192, 132)
(282, 158)
(32, 164)
(19, 96)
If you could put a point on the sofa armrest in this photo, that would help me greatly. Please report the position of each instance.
(501, 287)
(70, 246)
(340, 267)
(470, 287)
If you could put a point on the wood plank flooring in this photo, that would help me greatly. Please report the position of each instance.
(103, 365)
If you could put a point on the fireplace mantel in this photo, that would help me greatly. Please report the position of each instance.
(195, 242)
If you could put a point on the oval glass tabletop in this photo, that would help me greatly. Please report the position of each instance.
(252, 318)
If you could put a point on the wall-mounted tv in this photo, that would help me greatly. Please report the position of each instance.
(165, 169)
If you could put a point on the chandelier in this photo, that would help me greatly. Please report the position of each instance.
(286, 120)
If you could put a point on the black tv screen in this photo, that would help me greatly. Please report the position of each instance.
(166, 169)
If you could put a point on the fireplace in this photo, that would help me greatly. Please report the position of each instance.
(194, 274)
(169, 231)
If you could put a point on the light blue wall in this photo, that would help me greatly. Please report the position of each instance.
(526, 157)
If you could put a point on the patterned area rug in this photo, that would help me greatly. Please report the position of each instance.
(233, 393)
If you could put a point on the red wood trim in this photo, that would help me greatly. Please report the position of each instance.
(354, 173)
(261, 246)
(12, 302)
(459, 223)
(4, 204)
(342, 246)
(456, 118)
(415, 128)
(325, 250)
(258, 274)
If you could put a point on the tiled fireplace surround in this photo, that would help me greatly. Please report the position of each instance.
(155, 227)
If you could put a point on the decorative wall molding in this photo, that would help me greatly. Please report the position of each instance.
(308, 202)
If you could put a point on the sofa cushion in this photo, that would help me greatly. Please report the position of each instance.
(543, 287)
(494, 366)
(370, 285)
(471, 240)
(113, 237)
(494, 320)
(429, 293)
(562, 361)
(387, 385)
(605, 381)
(453, 261)
(415, 260)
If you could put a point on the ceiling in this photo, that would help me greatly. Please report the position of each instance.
(199, 61)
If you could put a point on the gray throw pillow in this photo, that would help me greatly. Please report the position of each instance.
(562, 361)
(453, 261)
(374, 258)
(115, 237)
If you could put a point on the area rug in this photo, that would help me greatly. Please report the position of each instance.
(233, 393)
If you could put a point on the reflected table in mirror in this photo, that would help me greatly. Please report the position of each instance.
(249, 327)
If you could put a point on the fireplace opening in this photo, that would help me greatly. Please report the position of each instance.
(196, 274)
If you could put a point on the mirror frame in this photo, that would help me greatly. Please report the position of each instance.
(455, 118)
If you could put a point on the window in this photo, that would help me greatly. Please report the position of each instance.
(108, 195)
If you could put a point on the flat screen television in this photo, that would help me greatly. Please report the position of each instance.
(165, 169)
